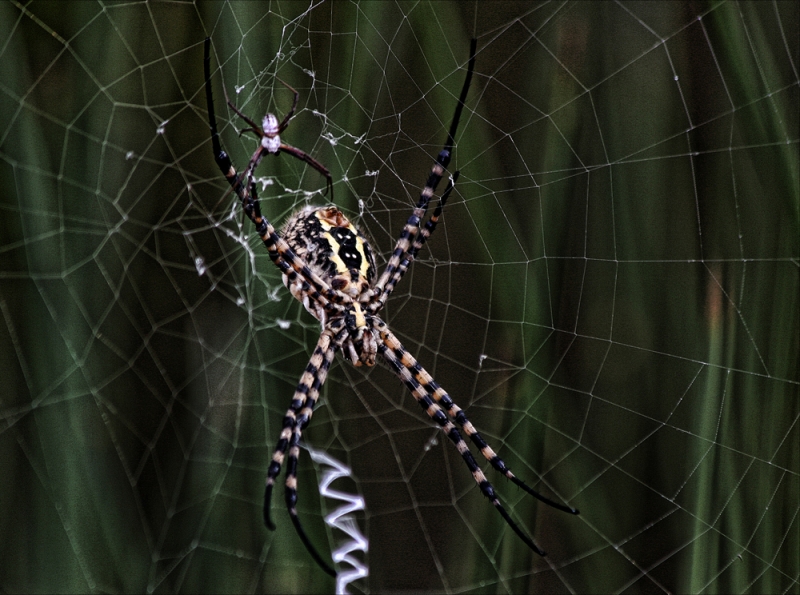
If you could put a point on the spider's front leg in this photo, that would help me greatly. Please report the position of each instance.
(419, 241)
(412, 237)
(279, 251)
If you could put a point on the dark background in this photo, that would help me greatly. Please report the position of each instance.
(612, 297)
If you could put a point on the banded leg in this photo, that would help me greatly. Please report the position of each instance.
(403, 363)
(296, 419)
(443, 399)
(419, 241)
(301, 423)
(279, 251)
(412, 226)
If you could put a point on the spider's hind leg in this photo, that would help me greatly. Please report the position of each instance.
(410, 373)
(442, 398)
(458, 415)
(296, 419)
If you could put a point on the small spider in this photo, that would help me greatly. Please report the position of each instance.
(269, 132)
(328, 265)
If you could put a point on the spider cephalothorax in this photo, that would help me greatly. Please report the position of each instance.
(328, 264)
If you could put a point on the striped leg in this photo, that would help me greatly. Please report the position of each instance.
(419, 241)
(296, 419)
(394, 269)
(408, 370)
(442, 398)
(279, 251)
(411, 228)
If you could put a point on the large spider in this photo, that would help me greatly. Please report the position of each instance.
(328, 264)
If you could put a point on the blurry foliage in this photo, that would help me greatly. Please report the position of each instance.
(623, 247)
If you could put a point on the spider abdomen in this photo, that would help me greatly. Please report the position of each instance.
(333, 248)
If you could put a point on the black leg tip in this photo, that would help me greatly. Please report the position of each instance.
(268, 521)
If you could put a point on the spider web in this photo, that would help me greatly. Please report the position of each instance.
(611, 296)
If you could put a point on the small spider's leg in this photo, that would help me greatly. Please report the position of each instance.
(407, 369)
(254, 162)
(289, 115)
(255, 128)
(412, 226)
(303, 156)
(419, 241)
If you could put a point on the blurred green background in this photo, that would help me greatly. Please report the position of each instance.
(612, 296)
